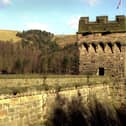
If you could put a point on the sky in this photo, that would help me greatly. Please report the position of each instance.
(56, 16)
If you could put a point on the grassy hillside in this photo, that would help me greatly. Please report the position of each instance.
(7, 35)
(62, 40)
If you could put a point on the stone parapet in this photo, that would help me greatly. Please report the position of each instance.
(31, 110)
(102, 25)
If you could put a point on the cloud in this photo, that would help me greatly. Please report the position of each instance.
(91, 2)
(73, 22)
(5, 2)
(37, 25)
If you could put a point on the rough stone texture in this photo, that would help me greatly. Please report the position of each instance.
(31, 109)
(98, 50)
(51, 81)
(21, 111)
(112, 59)
(97, 37)
(102, 24)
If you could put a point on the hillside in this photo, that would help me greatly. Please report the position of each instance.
(38, 52)
(62, 40)
(7, 35)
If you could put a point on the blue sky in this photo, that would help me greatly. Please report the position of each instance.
(56, 16)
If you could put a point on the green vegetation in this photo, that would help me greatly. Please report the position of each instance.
(76, 112)
(38, 53)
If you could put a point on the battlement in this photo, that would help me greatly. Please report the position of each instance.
(102, 25)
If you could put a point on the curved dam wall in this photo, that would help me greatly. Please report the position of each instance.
(29, 108)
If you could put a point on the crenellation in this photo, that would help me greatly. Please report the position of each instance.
(120, 18)
(102, 19)
(102, 25)
(85, 20)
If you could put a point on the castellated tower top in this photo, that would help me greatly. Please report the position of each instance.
(102, 25)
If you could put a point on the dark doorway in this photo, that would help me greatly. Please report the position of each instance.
(101, 71)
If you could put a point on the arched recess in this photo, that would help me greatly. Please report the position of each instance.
(102, 45)
(118, 44)
(94, 45)
(110, 44)
(86, 45)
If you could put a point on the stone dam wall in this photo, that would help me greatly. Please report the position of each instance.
(29, 108)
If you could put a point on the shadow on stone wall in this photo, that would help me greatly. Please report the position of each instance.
(74, 112)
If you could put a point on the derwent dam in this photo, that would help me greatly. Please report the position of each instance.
(29, 107)
(25, 101)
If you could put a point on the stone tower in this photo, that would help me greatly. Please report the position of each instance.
(102, 46)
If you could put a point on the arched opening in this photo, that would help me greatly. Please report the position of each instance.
(111, 46)
(94, 45)
(102, 45)
(86, 45)
(118, 45)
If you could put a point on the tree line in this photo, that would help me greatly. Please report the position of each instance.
(37, 52)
